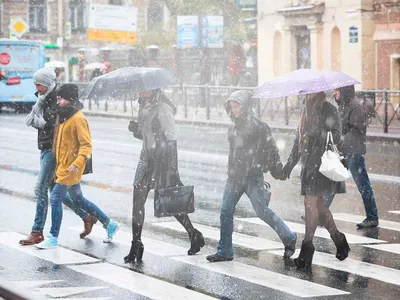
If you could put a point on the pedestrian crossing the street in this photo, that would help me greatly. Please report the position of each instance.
(281, 279)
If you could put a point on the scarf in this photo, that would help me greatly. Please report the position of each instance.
(63, 114)
(35, 117)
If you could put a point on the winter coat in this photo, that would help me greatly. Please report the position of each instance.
(252, 149)
(158, 162)
(45, 135)
(73, 146)
(354, 122)
(313, 183)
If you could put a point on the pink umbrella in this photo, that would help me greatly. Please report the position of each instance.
(303, 81)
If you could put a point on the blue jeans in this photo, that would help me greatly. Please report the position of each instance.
(56, 197)
(255, 190)
(358, 168)
(44, 183)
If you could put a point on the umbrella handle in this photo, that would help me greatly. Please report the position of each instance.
(132, 107)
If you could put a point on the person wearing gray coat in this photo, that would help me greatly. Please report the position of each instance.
(157, 167)
(352, 145)
(318, 118)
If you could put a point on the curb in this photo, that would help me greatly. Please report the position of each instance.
(371, 137)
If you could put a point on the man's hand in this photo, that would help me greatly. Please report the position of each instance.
(73, 169)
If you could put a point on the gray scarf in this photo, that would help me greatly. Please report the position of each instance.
(35, 117)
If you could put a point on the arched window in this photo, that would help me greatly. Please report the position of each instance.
(336, 54)
(277, 48)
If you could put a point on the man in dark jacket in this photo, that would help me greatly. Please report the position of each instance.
(43, 118)
(352, 145)
(252, 151)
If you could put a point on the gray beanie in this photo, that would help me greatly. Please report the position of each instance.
(45, 77)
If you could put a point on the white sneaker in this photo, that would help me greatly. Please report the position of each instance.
(48, 243)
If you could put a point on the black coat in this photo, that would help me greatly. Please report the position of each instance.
(45, 135)
(354, 122)
(313, 183)
(252, 149)
(158, 164)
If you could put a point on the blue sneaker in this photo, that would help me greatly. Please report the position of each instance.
(48, 243)
(112, 229)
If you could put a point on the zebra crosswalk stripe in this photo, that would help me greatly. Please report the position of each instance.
(320, 232)
(358, 219)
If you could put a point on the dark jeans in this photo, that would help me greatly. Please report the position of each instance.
(44, 183)
(255, 190)
(56, 197)
(357, 166)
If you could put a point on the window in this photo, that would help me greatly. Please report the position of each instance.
(77, 17)
(38, 15)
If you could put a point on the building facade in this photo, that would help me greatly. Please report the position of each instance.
(330, 34)
(48, 19)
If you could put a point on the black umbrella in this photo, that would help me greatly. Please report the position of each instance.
(128, 81)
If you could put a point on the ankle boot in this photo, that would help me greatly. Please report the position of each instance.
(196, 242)
(304, 261)
(342, 247)
(32, 239)
(88, 225)
(136, 252)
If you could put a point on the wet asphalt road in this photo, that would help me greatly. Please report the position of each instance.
(202, 161)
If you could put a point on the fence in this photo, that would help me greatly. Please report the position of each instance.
(207, 103)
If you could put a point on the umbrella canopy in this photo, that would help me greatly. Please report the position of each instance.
(55, 64)
(129, 81)
(95, 65)
(303, 81)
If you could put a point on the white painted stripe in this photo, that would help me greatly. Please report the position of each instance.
(137, 283)
(352, 266)
(30, 284)
(150, 245)
(358, 219)
(58, 256)
(397, 212)
(59, 292)
(276, 281)
(393, 248)
(320, 232)
(239, 239)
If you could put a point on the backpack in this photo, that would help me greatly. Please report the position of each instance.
(367, 100)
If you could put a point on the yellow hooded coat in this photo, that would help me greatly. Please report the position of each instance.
(73, 146)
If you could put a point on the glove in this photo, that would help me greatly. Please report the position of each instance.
(133, 126)
(286, 172)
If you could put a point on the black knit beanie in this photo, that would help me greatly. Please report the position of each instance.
(70, 92)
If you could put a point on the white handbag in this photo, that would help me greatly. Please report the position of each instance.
(331, 166)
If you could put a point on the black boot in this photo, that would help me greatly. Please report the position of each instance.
(304, 261)
(342, 247)
(196, 242)
(136, 252)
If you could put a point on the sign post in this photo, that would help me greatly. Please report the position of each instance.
(18, 27)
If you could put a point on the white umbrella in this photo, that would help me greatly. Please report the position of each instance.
(55, 64)
(95, 65)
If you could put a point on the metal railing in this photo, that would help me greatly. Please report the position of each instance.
(207, 102)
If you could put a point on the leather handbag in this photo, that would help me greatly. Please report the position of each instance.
(88, 166)
(174, 201)
(331, 165)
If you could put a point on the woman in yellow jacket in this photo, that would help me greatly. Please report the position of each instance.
(72, 147)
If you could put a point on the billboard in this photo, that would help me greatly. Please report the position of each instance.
(113, 23)
(187, 32)
(212, 32)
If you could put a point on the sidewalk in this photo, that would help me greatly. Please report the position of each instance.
(219, 118)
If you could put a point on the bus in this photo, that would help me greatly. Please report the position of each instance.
(19, 60)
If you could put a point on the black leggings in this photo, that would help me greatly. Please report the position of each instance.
(140, 193)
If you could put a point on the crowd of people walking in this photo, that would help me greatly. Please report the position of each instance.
(65, 146)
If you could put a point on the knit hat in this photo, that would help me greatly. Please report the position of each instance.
(69, 91)
(45, 77)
